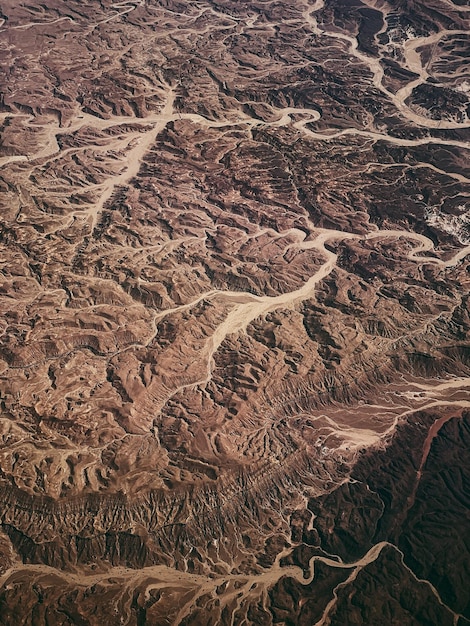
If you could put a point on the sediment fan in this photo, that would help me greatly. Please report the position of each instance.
(234, 355)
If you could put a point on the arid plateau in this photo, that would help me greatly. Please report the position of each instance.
(234, 331)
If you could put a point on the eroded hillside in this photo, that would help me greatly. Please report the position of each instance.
(234, 361)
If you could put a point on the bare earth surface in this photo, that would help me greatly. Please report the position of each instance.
(234, 343)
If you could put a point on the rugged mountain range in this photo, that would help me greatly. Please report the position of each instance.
(234, 352)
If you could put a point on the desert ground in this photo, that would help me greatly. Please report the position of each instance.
(234, 292)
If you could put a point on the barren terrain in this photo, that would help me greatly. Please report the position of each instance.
(234, 342)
